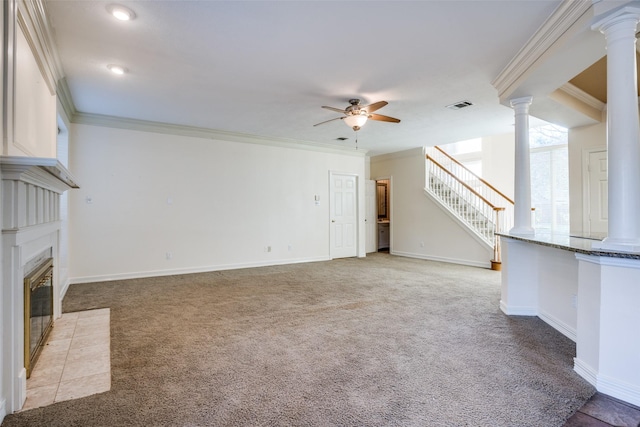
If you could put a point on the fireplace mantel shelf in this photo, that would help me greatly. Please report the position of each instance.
(16, 165)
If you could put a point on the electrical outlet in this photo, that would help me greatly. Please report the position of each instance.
(422, 244)
(267, 248)
(169, 255)
(290, 247)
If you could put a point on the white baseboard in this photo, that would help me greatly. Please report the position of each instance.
(22, 384)
(558, 325)
(3, 409)
(585, 371)
(470, 263)
(64, 289)
(619, 389)
(191, 270)
(511, 310)
(610, 386)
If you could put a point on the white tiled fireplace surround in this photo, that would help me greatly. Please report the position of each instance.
(31, 190)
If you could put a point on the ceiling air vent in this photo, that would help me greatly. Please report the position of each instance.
(459, 105)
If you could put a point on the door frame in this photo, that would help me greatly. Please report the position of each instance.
(586, 186)
(360, 246)
(370, 218)
(389, 208)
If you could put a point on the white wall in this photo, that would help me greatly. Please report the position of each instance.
(212, 204)
(581, 140)
(415, 219)
(498, 162)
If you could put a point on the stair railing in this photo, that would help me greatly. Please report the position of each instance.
(484, 188)
(486, 210)
(464, 201)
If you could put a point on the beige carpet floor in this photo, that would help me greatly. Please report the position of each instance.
(381, 341)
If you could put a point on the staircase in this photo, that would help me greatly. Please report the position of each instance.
(476, 204)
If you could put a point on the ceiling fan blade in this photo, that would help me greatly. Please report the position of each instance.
(382, 118)
(375, 106)
(337, 110)
(327, 121)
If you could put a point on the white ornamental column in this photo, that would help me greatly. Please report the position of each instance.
(522, 190)
(623, 132)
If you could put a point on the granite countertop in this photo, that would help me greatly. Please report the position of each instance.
(573, 243)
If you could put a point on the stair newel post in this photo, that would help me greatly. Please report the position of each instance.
(496, 262)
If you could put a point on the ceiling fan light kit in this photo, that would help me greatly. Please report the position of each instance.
(356, 115)
(356, 121)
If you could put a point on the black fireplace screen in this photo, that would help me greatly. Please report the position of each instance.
(38, 311)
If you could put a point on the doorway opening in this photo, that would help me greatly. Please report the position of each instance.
(383, 206)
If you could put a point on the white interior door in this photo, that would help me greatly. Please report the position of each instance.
(598, 192)
(371, 215)
(344, 216)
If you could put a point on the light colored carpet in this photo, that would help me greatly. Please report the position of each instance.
(381, 341)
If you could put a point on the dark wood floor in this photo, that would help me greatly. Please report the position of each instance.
(604, 411)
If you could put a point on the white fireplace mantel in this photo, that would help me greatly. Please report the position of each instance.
(30, 190)
(31, 226)
(44, 172)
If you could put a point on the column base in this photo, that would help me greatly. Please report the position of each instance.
(522, 231)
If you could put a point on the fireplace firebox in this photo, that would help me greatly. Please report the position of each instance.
(38, 311)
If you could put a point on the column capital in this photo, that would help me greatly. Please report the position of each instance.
(606, 20)
(526, 100)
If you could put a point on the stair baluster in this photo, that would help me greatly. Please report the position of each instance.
(477, 204)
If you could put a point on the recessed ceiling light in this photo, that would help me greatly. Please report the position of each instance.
(117, 69)
(121, 13)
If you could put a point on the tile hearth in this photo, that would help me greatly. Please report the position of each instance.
(75, 362)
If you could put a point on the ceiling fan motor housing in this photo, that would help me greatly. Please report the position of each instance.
(354, 108)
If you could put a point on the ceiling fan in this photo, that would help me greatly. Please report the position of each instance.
(356, 115)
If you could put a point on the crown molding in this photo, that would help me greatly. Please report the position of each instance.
(198, 132)
(32, 20)
(570, 96)
(582, 96)
(65, 98)
(565, 15)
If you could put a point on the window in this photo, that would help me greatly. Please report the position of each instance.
(464, 147)
(468, 152)
(550, 178)
(549, 173)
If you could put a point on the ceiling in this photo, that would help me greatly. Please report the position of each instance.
(266, 67)
(593, 80)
